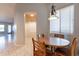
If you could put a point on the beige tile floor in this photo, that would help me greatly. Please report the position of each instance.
(8, 48)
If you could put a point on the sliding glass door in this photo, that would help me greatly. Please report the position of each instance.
(9, 29)
(2, 28)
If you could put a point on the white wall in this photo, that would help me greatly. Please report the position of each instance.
(42, 22)
(20, 27)
(76, 20)
(42, 13)
(76, 25)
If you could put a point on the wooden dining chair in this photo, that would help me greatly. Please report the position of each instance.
(43, 39)
(38, 48)
(72, 49)
(59, 35)
(69, 50)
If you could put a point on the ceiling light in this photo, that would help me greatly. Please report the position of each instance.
(32, 15)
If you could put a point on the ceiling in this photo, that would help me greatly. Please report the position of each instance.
(61, 5)
(58, 5)
(7, 11)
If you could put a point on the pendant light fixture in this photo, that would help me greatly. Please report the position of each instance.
(53, 13)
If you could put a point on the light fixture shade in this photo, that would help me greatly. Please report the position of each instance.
(53, 17)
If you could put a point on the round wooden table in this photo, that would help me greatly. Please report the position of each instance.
(54, 42)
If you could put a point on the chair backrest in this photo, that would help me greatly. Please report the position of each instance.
(39, 47)
(43, 38)
(59, 35)
(73, 47)
(42, 35)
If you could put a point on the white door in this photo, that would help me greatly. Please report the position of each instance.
(30, 29)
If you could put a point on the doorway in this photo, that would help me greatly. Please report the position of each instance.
(30, 24)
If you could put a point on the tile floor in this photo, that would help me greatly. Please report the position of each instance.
(8, 48)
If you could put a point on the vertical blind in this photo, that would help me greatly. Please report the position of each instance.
(65, 22)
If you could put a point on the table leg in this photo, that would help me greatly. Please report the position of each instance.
(53, 50)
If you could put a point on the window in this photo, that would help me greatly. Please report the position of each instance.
(54, 26)
(1, 28)
(14, 28)
(65, 23)
(9, 28)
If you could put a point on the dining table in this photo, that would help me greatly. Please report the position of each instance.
(55, 42)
